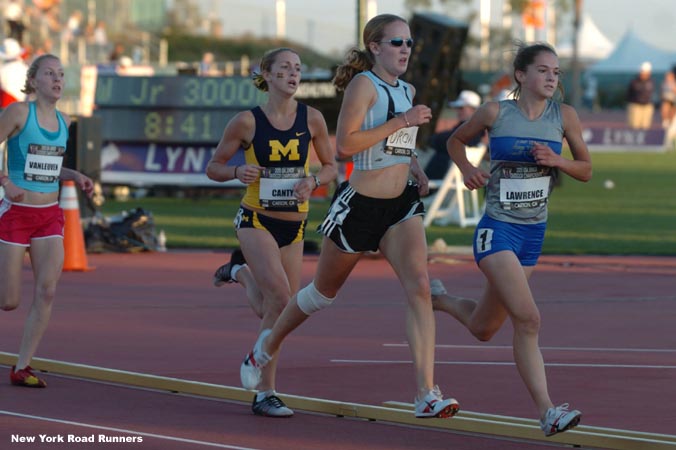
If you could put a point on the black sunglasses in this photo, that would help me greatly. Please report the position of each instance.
(398, 42)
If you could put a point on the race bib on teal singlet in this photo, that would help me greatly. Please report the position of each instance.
(43, 163)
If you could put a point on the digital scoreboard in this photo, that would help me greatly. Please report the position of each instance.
(163, 130)
(178, 109)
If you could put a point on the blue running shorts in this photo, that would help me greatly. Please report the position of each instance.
(524, 240)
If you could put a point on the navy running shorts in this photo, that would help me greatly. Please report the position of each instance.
(285, 232)
(524, 240)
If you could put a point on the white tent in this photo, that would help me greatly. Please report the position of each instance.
(630, 52)
(593, 45)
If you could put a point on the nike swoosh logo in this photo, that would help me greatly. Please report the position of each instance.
(299, 134)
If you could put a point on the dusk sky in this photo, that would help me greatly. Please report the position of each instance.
(331, 24)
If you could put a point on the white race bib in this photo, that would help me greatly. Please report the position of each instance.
(43, 163)
(524, 192)
(401, 142)
(276, 187)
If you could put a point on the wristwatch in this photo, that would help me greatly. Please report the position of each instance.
(317, 181)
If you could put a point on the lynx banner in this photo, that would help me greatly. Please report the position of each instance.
(614, 139)
(150, 164)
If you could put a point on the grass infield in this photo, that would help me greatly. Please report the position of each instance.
(635, 217)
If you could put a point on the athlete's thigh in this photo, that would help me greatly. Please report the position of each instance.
(405, 247)
(509, 286)
(333, 268)
(47, 259)
(264, 259)
(292, 260)
(11, 263)
(490, 312)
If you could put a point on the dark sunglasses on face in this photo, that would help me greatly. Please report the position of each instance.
(398, 42)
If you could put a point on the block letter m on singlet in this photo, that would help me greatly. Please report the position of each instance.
(288, 151)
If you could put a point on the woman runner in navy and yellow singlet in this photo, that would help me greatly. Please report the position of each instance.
(276, 138)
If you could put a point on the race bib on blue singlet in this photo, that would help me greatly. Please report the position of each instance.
(524, 187)
(43, 163)
(401, 142)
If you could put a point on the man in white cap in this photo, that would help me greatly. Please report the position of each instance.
(465, 105)
(640, 106)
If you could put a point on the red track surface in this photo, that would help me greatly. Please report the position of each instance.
(607, 338)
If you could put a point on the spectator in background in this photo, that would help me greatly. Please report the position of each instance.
(668, 98)
(72, 33)
(12, 73)
(640, 107)
(14, 13)
(207, 66)
(116, 54)
(465, 105)
(100, 41)
(43, 25)
(590, 94)
(51, 26)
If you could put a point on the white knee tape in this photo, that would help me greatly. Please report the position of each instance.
(310, 300)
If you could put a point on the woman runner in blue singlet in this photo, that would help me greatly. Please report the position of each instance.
(30, 216)
(525, 138)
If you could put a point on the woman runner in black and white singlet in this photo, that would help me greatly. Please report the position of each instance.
(277, 138)
(525, 138)
(378, 209)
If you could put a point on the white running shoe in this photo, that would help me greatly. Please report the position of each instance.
(254, 361)
(559, 419)
(434, 405)
(437, 287)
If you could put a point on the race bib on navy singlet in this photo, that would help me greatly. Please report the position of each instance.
(276, 187)
(43, 163)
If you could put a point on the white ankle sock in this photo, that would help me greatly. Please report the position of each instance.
(261, 395)
(236, 268)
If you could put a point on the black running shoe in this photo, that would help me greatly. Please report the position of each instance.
(271, 406)
(222, 274)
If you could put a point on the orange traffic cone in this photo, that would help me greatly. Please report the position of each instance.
(75, 257)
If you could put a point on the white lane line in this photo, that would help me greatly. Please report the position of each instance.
(122, 430)
(567, 349)
(498, 363)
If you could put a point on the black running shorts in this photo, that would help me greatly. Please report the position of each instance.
(357, 223)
